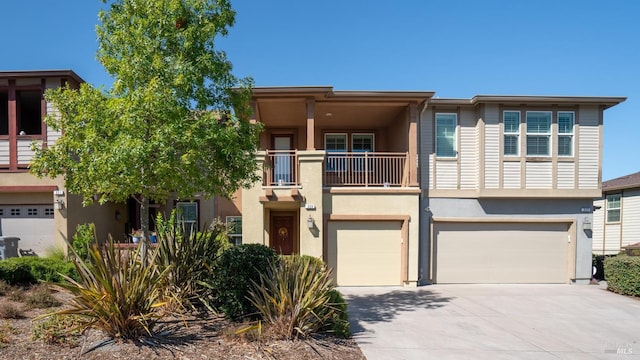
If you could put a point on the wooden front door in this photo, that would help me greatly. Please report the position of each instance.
(283, 234)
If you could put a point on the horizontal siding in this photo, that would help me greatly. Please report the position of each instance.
(25, 154)
(631, 217)
(511, 175)
(468, 150)
(491, 147)
(432, 183)
(446, 174)
(538, 175)
(612, 238)
(52, 135)
(426, 150)
(4, 152)
(598, 227)
(589, 148)
(566, 175)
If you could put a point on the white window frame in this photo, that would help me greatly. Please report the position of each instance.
(235, 238)
(333, 164)
(539, 134)
(511, 134)
(614, 209)
(569, 135)
(455, 136)
(373, 141)
(192, 223)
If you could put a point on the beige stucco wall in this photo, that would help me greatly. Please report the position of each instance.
(390, 203)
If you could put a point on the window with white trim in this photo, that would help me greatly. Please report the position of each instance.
(511, 142)
(234, 229)
(187, 216)
(565, 133)
(361, 143)
(538, 133)
(446, 135)
(613, 208)
(334, 144)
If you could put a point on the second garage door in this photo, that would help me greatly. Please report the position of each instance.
(365, 253)
(501, 252)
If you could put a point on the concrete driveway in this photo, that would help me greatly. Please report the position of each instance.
(494, 322)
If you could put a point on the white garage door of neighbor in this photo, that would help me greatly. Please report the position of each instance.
(501, 253)
(33, 224)
(365, 253)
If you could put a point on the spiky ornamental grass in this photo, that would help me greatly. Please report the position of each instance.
(116, 293)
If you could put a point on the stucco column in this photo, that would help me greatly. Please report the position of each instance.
(252, 210)
(310, 124)
(413, 145)
(311, 180)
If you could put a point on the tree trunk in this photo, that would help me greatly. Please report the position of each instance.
(144, 226)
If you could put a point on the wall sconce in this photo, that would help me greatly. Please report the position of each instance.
(310, 223)
(586, 224)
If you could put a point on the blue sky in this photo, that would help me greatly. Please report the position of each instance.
(455, 48)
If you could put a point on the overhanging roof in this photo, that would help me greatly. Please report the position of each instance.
(606, 101)
(623, 182)
(23, 74)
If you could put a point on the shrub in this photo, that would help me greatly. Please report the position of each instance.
(57, 329)
(41, 297)
(338, 323)
(83, 239)
(4, 288)
(295, 297)
(10, 311)
(623, 274)
(14, 272)
(116, 293)
(233, 274)
(188, 261)
(56, 253)
(5, 331)
(43, 269)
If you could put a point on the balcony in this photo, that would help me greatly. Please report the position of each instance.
(340, 169)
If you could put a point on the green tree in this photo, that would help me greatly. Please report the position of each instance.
(175, 120)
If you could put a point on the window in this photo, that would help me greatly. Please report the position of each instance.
(28, 111)
(4, 113)
(565, 133)
(1, 212)
(334, 144)
(538, 133)
(511, 122)
(234, 229)
(613, 208)
(48, 212)
(362, 142)
(32, 212)
(187, 216)
(15, 212)
(446, 135)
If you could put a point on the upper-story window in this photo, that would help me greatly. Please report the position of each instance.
(187, 216)
(613, 208)
(446, 135)
(538, 133)
(335, 142)
(4, 113)
(28, 112)
(565, 133)
(511, 124)
(362, 142)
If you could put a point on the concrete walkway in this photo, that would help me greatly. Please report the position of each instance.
(494, 322)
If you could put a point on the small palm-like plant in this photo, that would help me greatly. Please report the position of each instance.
(116, 293)
(294, 297)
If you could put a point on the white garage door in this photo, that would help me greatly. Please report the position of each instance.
(501, 253)
(33, 224)
(365, 253)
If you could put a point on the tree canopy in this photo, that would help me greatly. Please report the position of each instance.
(175, 120)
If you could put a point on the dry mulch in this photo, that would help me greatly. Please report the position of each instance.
(177, 338)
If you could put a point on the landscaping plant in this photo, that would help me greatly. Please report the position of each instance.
(295, 297)
(116, 292)
(234, 272)
(83, 239)
(623, 274)
(31, 269)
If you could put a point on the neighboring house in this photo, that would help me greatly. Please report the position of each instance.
(616, 219)
(508, 185)
(40, 211)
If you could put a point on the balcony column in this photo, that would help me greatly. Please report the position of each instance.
(13, 126)
(310, 124)
(413, 145)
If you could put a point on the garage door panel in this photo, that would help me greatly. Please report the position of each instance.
(365, 253)
(501, 253)
(33, 224)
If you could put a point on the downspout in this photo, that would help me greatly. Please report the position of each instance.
(424, 237)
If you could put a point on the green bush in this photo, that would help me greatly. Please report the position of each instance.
(233, 274)
(83, 239)
(295, 297)
(43, 269)
(13, 272)
(338, 323)
(623, 274)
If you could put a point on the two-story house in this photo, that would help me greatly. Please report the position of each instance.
(501, 191)
(40, 211)
(508, 184)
